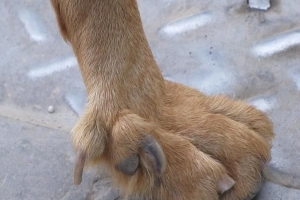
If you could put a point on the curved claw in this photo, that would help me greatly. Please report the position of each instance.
(129, 165)
(78, 169)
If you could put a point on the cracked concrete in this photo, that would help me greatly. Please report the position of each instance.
(217, 47)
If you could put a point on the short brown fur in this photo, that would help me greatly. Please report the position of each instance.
(120, 73)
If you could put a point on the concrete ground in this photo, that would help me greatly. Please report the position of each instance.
(215, 46)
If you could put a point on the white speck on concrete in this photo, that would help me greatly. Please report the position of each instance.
(259, 4)
(187, 24)
(264, 104)
(277, 44)
(33, 25)
(53, 67)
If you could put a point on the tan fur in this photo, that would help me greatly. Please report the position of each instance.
(237, 146)
(120, 73)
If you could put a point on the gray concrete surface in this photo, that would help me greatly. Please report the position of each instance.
(214, 46)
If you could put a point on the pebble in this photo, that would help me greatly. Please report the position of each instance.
(51, 109)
